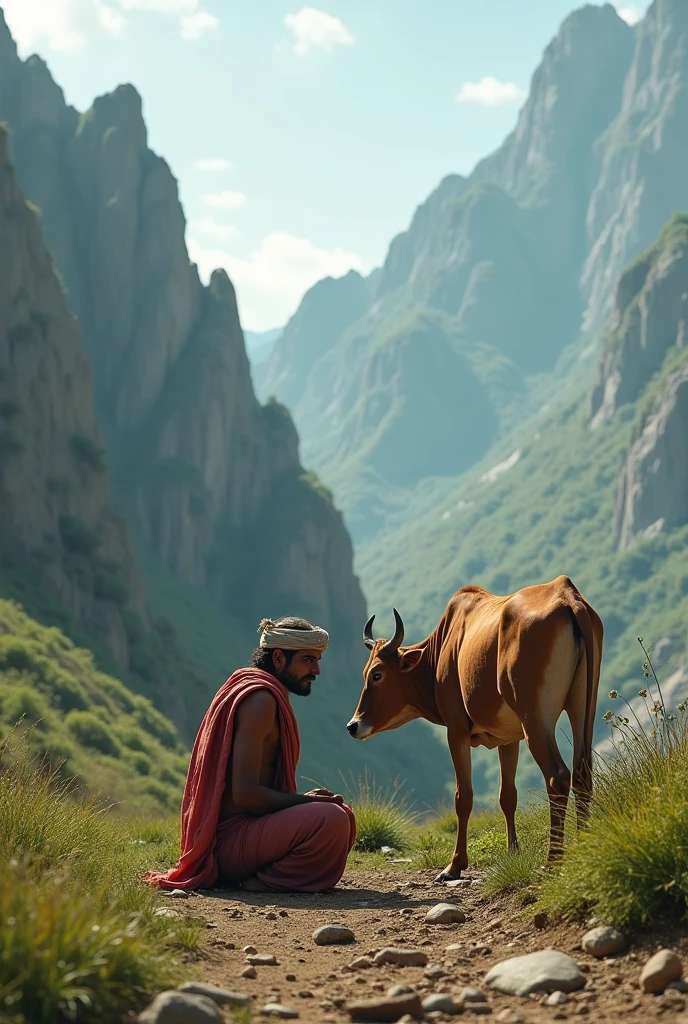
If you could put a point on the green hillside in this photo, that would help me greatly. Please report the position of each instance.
(114, 741)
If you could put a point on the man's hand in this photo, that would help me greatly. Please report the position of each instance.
(325, 795)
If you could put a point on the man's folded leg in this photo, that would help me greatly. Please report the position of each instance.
(300, 849)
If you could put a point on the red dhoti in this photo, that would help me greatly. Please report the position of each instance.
(303, 848)
(300, 849)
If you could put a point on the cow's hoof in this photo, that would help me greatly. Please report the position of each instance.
(448, 875)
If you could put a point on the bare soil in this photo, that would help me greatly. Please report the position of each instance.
(388, 909)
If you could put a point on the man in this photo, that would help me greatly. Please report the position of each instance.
(242, 818)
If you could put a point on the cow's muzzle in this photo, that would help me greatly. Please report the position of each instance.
(358, 729)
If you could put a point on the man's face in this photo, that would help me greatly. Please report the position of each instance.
(299, 674)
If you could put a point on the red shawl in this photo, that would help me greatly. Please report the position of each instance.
(205, 782)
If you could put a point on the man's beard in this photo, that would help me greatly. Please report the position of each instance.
(298, 685)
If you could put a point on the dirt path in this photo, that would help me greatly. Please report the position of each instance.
(386, 909)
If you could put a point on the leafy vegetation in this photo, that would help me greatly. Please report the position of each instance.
(382, 818)
(79, 937)
(85, 721)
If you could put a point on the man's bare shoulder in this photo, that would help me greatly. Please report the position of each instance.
(258, 709)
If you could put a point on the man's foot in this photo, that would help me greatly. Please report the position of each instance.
(254, 885)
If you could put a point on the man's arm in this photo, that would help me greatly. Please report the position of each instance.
(255, 720)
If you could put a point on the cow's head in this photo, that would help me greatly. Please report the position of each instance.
(387, 700)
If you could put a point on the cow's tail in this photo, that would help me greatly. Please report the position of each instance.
(582, 614)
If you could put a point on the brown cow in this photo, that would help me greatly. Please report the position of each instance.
(495, 671)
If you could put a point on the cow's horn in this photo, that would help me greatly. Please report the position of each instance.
(393, 645)
(368, 638)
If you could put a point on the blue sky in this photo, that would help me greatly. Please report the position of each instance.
(303, 137)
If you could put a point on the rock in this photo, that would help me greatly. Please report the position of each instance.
(604, 941)
(401, 957)
(165, 912)
(556, 999)
(332, 935)
(262, 960)
(453, 947)
(290, 977)
(678, 986)
(442, 1002)
(181, 1008)
(177, 894)
(277, 1010)
(249, 949)
(660, 970)
(540, 921)
(544, 971)
(361, 963)
(399, 990)
(387, 1009)
(271, 916)
(458, 883)
(435, 972)
(221, 996)
(471, 995)
(445, 913)
(387, 849)
(402, 860)
(479, 1008)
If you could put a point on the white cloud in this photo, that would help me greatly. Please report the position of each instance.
(60, 24)
(490, 92)
(194, 26)
(630, 13)
(316, 30)
(213, 229)
(272, 280)
(224, 200)
(213, 164)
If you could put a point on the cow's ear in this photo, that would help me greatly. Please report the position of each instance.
(410, 659)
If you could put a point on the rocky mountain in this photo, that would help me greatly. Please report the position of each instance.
(54, 484)
(228, 526)
(520, 262)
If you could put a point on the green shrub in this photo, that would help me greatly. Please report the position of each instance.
(150, 719)
(24, 703)
(89, 730)
(18, 652)
(142, 764)
(630, 865)
(88, 453)
(77, 538)
(433, 850)
(382, 819)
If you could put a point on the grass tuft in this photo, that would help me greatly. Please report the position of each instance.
(383, 817)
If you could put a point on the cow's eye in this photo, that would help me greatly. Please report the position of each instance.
(376, 677)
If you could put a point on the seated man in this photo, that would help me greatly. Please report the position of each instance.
(242, 818)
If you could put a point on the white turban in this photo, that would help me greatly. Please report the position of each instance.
(272, 636)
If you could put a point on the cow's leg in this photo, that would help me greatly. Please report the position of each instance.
(460, 750)
(508, 797)
(543, 747)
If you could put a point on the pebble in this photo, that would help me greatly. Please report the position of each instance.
(471, 995)
(660, 970)
(305, 994)
(399, 990)
(278, 1010)
(540, 921)
(407, 1019)
(165, 912)
(545, 971)
(333, 934)
(479, 1008)
(177, 894)
(262, 960)
(271, 916)
(678, 986)
(221, 996)
(290, 977)
(402, 860)
(401, 957)
(604, 941)
(249, 972)
(556, 999)
(442, 1002)
(458, 883)
(445, 913)
(249, 949)
(181, 1008)
(435, 972)
(361, 963)
(453, 947)
(385, 1010)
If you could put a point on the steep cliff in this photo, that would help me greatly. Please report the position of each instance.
(54, 483)
(641, 180)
